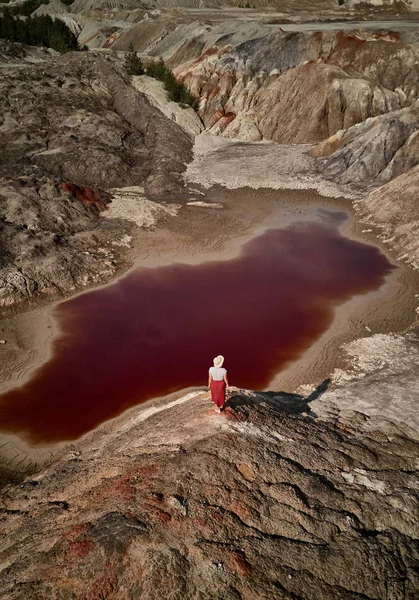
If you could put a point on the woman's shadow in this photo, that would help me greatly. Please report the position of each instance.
(281, 401)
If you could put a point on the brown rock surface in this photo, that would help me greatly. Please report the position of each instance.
(76, 117)
(70, 123)
(262, 501)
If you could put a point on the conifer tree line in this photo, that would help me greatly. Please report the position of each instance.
(39, 30)
(26, 8)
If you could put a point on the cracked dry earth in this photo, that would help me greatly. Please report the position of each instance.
(262, 501)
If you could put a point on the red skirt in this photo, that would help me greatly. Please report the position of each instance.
(218, 392)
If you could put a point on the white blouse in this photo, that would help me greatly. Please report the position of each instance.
(217, 373)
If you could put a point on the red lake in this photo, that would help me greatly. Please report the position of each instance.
(156, 330)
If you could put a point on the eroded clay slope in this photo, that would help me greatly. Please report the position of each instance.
(374, 151)
(72, 129)
(301, 87)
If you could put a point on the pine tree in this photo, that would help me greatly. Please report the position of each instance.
(176, 91)
(38, 31)
(133, 63)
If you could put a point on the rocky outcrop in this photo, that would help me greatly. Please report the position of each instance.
(386, 59)
(177, 40)
(301, 87)
(98, 34)
(90, 5)
(145, 34)
(261, 501)
(72, 123)
(57, 9)
(391, 396)
(374, 151)
(88, 97)
(54, 7)
(397, 4)
(280, 112)
(44, 251)
(394, 208)
(381, 152)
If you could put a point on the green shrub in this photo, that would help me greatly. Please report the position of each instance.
(158, 70)
(176, 91)
(133, 63)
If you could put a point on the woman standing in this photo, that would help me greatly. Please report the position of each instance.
(217, 382)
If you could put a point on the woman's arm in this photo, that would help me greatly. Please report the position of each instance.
(225, 379)
(209, 380)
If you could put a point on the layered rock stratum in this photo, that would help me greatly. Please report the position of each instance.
(301, 87)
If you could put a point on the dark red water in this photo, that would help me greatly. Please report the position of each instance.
(157, 330)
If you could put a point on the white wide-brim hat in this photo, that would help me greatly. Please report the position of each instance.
(218, 361)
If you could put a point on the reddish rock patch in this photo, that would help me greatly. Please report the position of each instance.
(205, 55)
(229, 414)
(121, 489)
(348, 39)
(157, 515)
(223, 119)
(145, 471)
(242, 510)
(239, 563)
(85, 194)
(80, 549)
(318, 36)
(103, 586)
(202, 524)
(213, 93)
(387, 36)
(77, 531)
